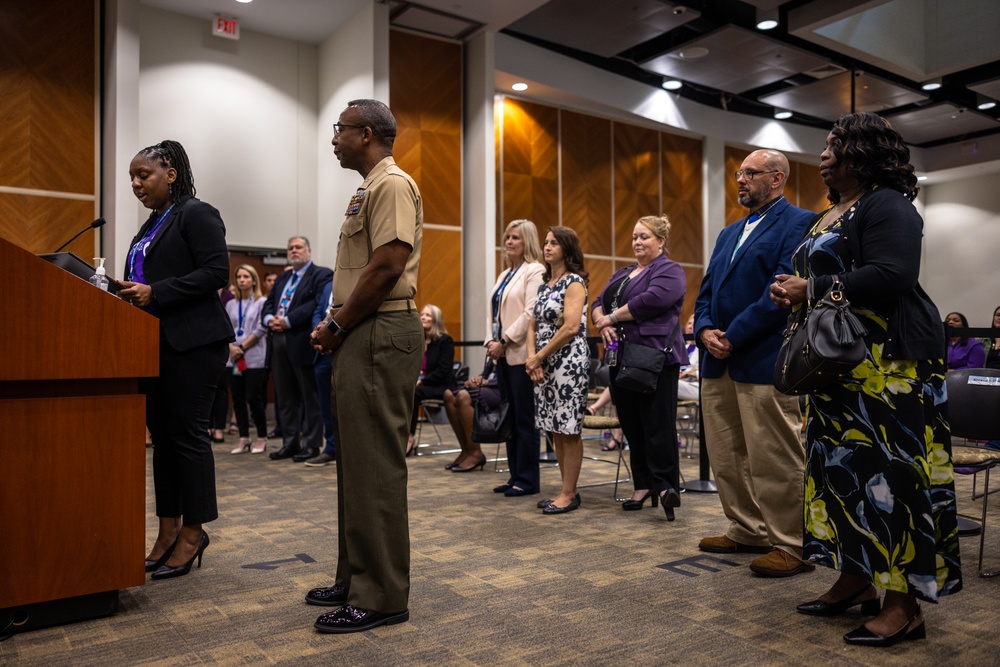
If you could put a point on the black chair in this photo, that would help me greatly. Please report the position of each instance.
(434, 414)
(974, 414)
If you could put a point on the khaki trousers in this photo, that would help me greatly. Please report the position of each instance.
(752, 437)
(374, 373)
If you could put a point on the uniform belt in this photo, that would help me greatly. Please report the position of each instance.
(388, 306)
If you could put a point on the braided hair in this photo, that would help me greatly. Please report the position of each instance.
(171, 154)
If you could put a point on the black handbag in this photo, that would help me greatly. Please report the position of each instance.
(823, 342)
(491, 425)
(639, 367)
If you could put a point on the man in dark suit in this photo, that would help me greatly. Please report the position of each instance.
(752, 430)
(288, 316)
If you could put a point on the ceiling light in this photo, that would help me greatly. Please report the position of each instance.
(672, 84)
(519, 86)
(984, 103)
(933, 84)
(767, 19)
(782, 114)
(244, 1)
(693, 53)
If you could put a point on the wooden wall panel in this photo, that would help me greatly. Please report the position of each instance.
(637, 181)
(42, 224)
(734, 158)
(441, 277)
(682, 196)
(600, 271)
(530, 165)
(586, 180)
(810, 189)
(48, 129)
(425, 90)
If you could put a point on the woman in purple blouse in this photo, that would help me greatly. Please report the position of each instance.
(963, 352)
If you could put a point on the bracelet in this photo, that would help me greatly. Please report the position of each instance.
(611, 316)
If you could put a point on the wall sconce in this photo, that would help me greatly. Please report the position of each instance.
(767, 19)
(672, 84)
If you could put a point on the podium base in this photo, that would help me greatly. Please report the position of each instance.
(700, 486)
(58, 612)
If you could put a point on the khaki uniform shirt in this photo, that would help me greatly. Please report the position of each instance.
(386, 207)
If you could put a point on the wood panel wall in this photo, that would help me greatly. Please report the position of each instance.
(599, 177)
(425, 94)
(48, 135)
(804, 187)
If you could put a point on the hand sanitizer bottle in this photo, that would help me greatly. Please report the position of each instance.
(100, 278)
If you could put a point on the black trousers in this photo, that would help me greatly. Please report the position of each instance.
(295, 388)
(649, 422)
(522, 449)
(220, 404)
(178, 403)
(249, 389)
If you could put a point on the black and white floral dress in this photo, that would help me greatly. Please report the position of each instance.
(560, 399)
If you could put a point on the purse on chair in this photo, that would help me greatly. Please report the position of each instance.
(823, 342)
(491, 425)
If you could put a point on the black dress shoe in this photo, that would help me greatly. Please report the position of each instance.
(334, 596)
(167, 572)
(633, 505)
(670, 499)
(552, 508)
(153, 565)
(502, 488)
(513, 492)
(284, 453)
(543, 503)
(354, 619)
(305, 454)
(820, 608)
(862, 636)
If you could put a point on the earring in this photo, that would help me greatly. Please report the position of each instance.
(170, 189)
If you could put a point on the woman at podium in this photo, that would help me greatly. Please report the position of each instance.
(175, 266)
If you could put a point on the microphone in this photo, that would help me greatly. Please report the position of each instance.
(94, 225)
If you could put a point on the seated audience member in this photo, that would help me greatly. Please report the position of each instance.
(437, 373)
(687, 382)
(246, 367)
(616, 433)
(459, 404)
(992, 345)
(963, 352)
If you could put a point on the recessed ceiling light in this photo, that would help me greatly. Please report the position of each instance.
(933, 84)
(781, 114)
(767, 19)
(693, 53)
(519, 86)
(672, 84)
(984, 103)
(244, 1)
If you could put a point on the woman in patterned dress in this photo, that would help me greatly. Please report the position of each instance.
(560, 365)
(879, 492)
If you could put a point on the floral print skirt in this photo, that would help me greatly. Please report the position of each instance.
(879, 492)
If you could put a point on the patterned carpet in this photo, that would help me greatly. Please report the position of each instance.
(494, 582)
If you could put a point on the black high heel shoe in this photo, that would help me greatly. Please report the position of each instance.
(152, 565)
(631, 505)
(670, 499)
(820, 608)
(862, 636)
(166, 572)
(479, 464)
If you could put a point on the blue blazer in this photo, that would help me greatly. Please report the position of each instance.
(734, 295)
(654, 299)
(300, 311)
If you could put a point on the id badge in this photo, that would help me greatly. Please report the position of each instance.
(496, 331)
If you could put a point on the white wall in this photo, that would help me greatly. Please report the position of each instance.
(245, 111)
(962, 247)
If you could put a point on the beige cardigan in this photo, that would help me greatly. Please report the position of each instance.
(517, 306)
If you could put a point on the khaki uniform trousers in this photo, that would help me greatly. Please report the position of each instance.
(752, 438)
(374, 373)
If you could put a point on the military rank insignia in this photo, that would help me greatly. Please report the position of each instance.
(355, 205)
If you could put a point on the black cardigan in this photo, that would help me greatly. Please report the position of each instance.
(440, 359)
(884, 236)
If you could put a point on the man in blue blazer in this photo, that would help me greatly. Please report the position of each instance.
(287, 314)
(752, 430)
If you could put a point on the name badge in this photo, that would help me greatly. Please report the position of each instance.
(355, 205)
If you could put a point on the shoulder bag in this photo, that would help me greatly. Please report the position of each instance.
(640, 365)
(490, 425)
(823, 342)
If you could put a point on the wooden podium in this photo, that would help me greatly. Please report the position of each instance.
(72, 460)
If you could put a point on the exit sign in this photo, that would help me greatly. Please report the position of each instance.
(228, 28)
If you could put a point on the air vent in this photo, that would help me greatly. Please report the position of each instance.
(825, 71)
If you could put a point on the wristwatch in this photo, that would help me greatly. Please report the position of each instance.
(337, 329)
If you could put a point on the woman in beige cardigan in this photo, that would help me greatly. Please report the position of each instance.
(511, 306)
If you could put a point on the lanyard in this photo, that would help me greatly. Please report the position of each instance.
(145, 240)
(239, 331)
(499, 296)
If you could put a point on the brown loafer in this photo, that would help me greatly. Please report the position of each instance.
(778, 563)
(724, 545)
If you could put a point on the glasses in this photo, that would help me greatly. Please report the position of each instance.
(750, 173)
(339, 127)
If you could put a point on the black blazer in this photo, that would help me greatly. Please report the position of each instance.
(440, 355)
(186, 264)
(300, 312)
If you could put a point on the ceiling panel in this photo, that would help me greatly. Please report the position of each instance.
(988, 88)
(603, 27)
(736, 60)
(830, 98)
(940, 121)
